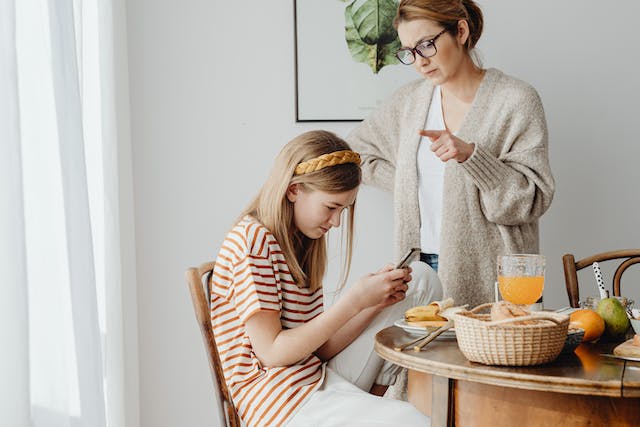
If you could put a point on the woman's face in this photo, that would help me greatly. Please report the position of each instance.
(450, 55)
(315, 212)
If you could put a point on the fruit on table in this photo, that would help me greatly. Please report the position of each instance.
(615, 317)
(590, 321)
(423, 312)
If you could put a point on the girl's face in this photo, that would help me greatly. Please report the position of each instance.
(315, 212)
(446, 63)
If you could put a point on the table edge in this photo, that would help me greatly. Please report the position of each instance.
(504, 379)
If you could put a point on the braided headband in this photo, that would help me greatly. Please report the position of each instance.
(326, 160)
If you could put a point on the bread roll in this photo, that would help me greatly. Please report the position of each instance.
(506, 310)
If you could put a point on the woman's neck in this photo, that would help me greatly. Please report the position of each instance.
(465, 83)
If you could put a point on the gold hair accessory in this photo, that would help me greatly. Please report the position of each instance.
(326, 160)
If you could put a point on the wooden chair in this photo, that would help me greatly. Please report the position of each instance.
(628, 257)
(200, 295)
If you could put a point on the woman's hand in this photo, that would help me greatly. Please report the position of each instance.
(381, 289)
(447, 146)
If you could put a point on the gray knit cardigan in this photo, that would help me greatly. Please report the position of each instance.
(491, 202)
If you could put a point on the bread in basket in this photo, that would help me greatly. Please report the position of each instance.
(511, 342)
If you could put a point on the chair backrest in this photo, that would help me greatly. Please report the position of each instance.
(626, 257)
(201, 298)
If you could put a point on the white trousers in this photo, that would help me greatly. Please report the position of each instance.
(343, 399)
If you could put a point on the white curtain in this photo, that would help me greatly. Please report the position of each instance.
(61, 357)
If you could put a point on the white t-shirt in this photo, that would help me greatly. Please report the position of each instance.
(430, 181)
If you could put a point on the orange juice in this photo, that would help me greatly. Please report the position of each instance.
(521, 289)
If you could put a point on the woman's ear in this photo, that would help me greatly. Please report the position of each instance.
(463, 31)
(292, 192)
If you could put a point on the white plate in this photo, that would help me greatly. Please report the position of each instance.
(421, 330)
(615, 356)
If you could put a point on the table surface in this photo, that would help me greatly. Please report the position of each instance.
(584, 371)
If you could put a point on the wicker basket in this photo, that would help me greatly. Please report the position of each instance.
(504, 343)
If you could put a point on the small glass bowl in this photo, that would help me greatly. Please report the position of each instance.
(592, 303)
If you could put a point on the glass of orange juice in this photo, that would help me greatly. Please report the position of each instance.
(521, 277)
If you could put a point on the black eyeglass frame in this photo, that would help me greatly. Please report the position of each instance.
(414, 50)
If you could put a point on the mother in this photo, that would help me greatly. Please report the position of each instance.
(464, 151)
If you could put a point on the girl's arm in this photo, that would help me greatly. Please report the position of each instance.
(336, 327)
(347, 333)
(352, 330)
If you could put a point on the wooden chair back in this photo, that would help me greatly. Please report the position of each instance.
(627, 258)
(201, 298)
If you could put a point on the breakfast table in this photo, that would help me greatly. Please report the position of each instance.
(580, 387)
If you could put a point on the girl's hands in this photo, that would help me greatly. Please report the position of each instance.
(447, 146)
(381, 289)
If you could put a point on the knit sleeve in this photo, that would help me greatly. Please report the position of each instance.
(376, 140)
(517, 186)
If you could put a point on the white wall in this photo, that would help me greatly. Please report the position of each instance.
(212, 101)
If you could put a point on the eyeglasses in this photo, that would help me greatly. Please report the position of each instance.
(426, 49)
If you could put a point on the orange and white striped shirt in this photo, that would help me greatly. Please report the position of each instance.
(250, 275)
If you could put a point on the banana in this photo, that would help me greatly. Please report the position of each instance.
(422, 313)
(430, 312)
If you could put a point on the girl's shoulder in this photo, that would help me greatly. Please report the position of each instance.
(252, 236)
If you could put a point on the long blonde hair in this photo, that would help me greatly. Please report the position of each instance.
(306, 258)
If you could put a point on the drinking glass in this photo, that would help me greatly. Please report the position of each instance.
(521, 277)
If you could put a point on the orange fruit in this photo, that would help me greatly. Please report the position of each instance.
(588, 320)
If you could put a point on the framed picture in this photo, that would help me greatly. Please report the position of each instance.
(345, 62)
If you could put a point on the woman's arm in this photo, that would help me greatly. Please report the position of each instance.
(513, 191)
(370, 142)
(376, 139)
(517, 187)
(337, 327)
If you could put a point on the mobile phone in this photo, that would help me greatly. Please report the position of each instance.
(408, 258)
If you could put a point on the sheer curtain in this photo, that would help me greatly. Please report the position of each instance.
(61, 362)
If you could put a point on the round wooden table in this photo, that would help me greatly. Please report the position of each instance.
(578, 388)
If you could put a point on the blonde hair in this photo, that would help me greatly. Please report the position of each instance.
(446, 13)
(306, 258)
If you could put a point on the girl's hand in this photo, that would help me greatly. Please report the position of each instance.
(390, 267)
(447, 146)
(379, 290)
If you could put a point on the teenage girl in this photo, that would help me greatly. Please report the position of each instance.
(286, 360)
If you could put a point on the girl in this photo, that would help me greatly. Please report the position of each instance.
(269, 322)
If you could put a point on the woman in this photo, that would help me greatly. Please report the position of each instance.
(268, 317)
(464, 150)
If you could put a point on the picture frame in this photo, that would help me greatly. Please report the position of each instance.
(332, 86)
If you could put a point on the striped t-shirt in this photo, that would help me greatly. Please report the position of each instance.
(250, 275)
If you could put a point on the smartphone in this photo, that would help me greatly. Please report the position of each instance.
(409, 257)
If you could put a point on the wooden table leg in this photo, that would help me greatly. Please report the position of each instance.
(432, 395)
(442, 409)
(419, 390)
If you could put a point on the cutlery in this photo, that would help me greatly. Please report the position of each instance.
(410, 343)
(420, 342)
(420, 345)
